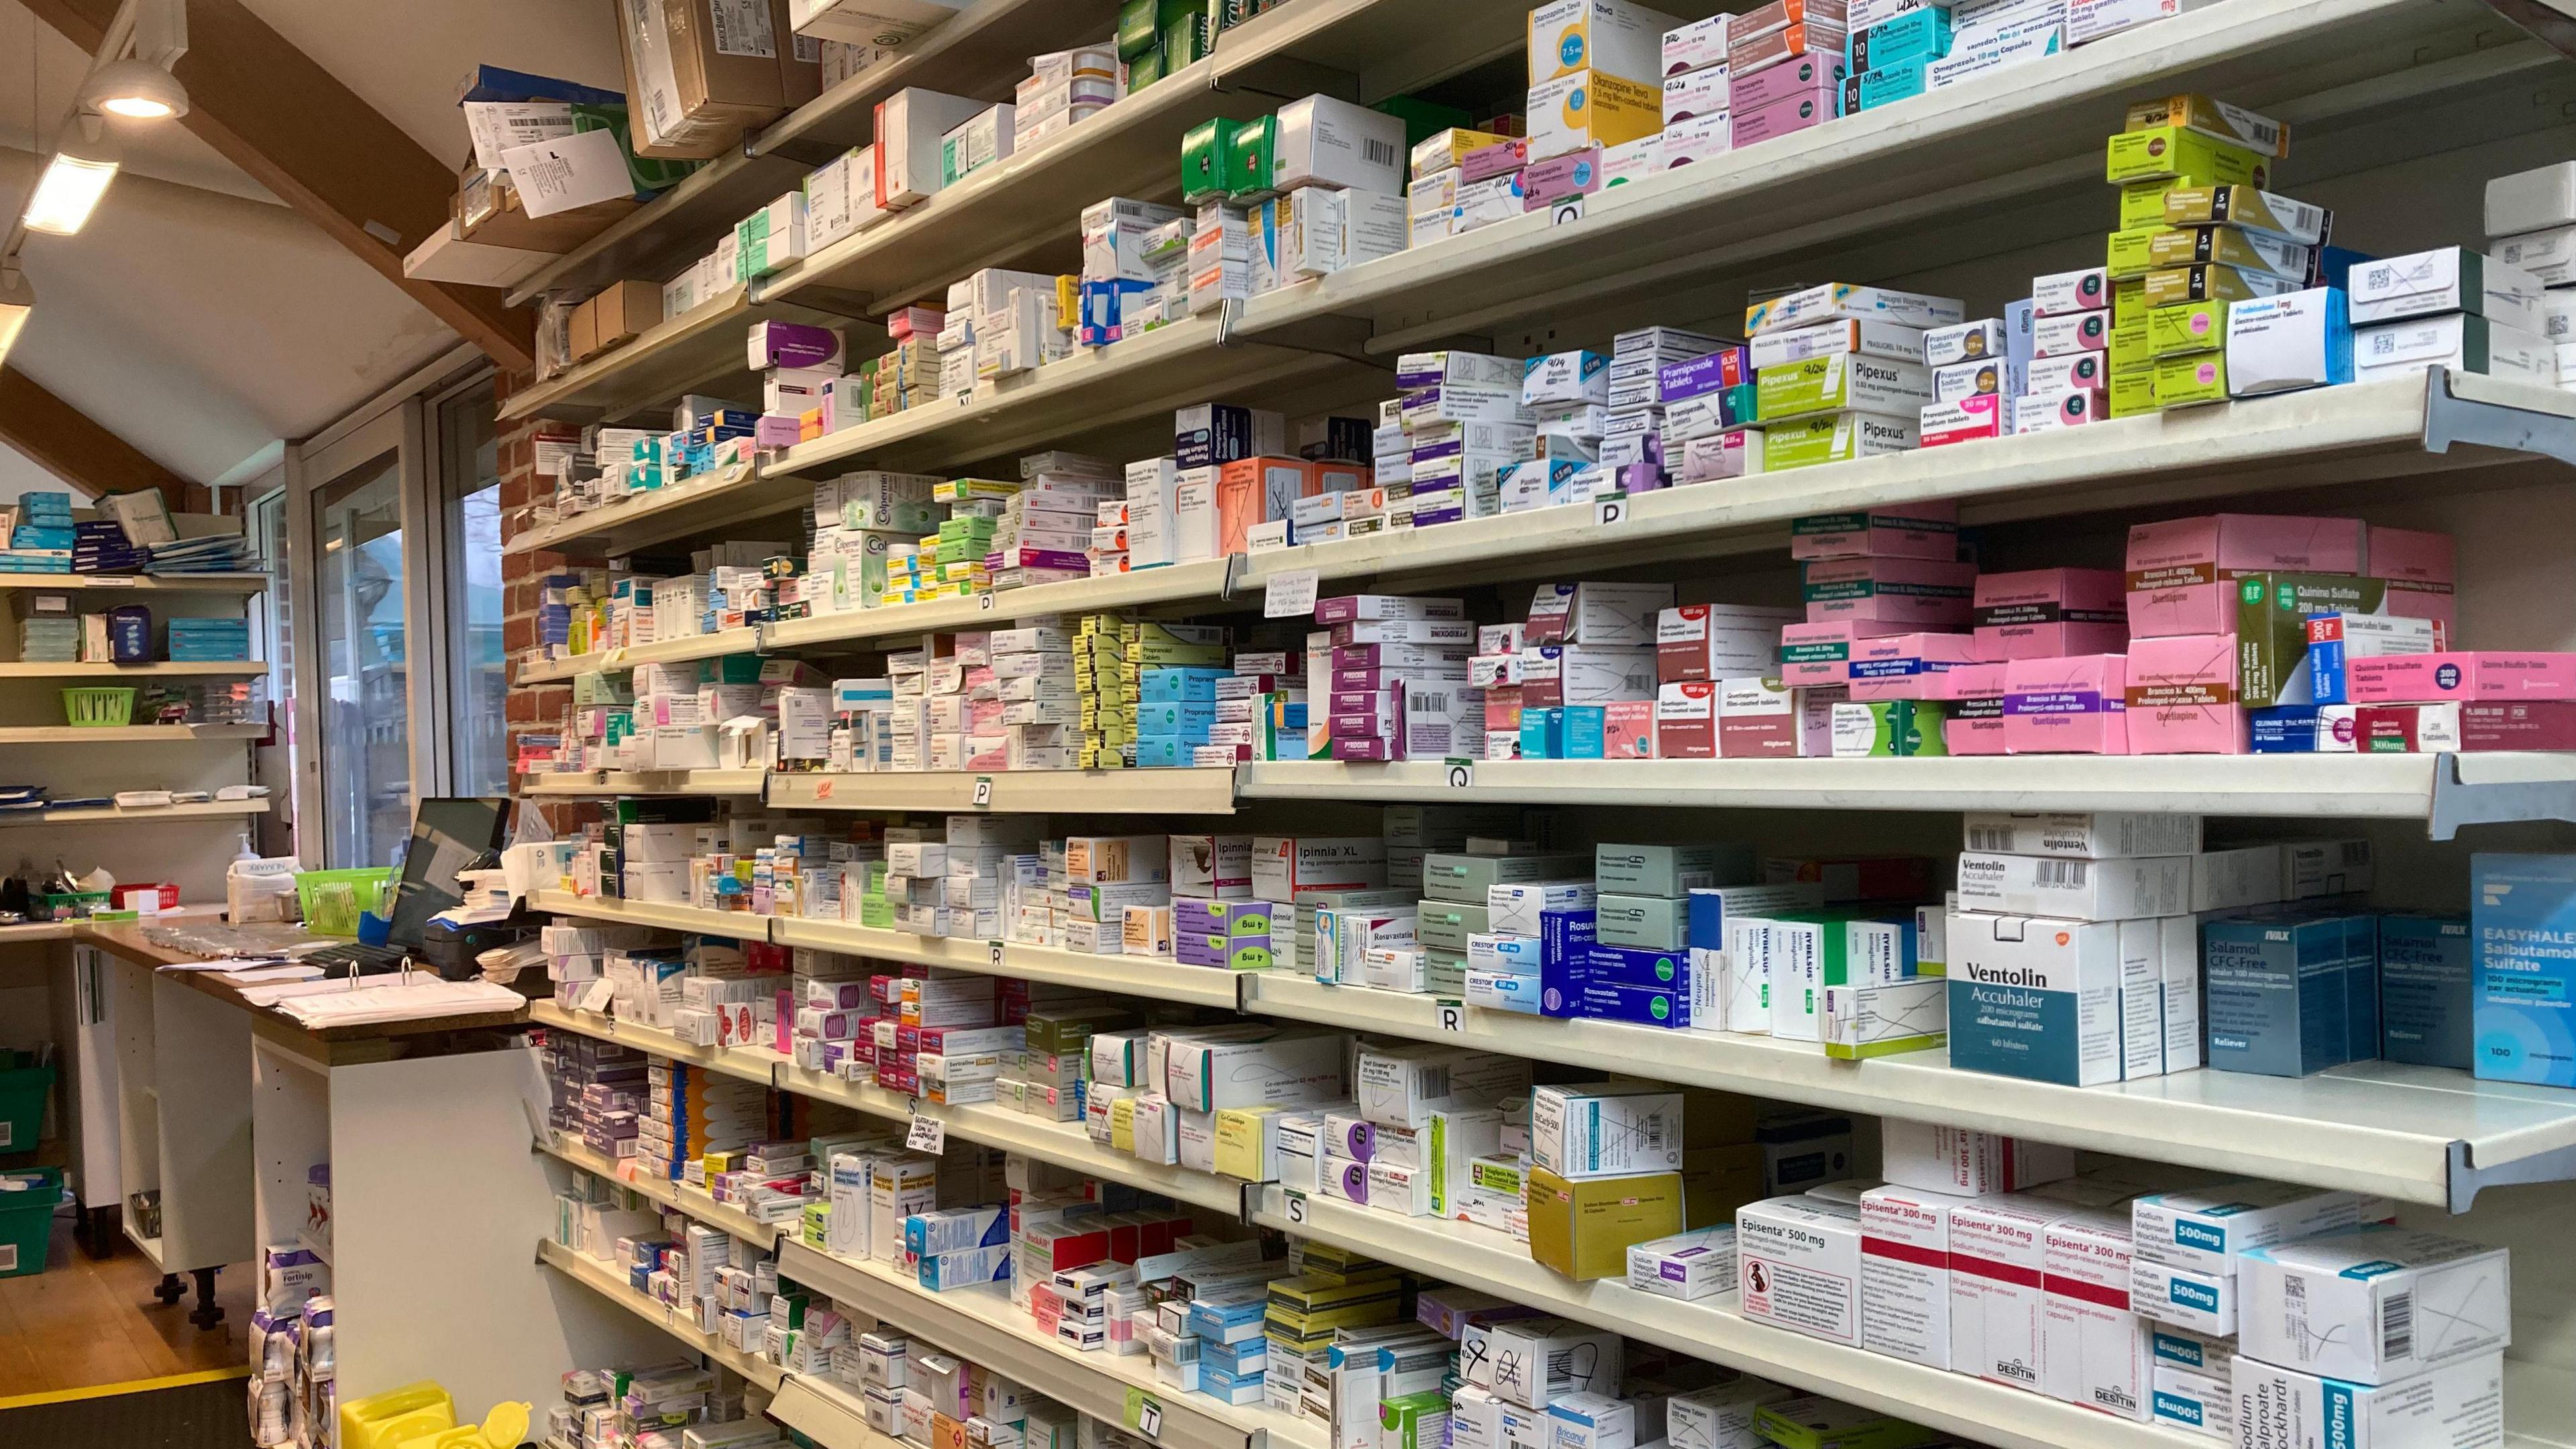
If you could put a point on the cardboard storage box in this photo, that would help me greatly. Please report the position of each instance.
(695, 89)
(614, 318)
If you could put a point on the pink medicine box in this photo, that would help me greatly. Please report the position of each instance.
(2181, 696)
(2482, 674)
(2043, 612)
(1628, 729)
(2178, 571)
(1898, 666)
(2067, 706)
(1814, 654)
(1918, 530)
(1975, 725)
(1924, 593)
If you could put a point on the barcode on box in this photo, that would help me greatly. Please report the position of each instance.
(1989, 837)
(2069, 873)
(2397, 1328)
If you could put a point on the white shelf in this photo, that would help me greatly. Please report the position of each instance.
(139, 583)
(211, 809)
(2418, 1134)
(1095, 387)
(740, 925)
(641, 520)
(150, 1248)
(1152, 977)
(1179, 583)
(669, 1194)
(2356, 786)
(1066, 1144)
(1940, 158)
(751, 1064)
(1475, 1257)
(981, 1324)
(157, 669)
(682, 650)
(597, 1276)
(646, 782)
(828, 1413)
(126, 734)
(1088, 792)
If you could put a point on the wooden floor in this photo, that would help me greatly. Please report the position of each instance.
(80, 1324)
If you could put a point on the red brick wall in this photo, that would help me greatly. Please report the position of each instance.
(535, 708)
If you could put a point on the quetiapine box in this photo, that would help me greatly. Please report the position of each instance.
(2181, 696)
(2046, 612)
(1925, 593)
(2178, 572)
(2074, 704)
(1920, 530)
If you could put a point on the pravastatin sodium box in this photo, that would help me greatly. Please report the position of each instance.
(2522, 918)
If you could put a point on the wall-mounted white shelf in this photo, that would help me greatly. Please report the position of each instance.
(1013, 792)
(669, 1194)
(1155, 978)
(157, 669)
(127, 734)
(752, 1064)
(2418, 1134)
(152, 814)
(740, 925)
(682, 650)
(980, 1324)
(1066, 1144)
(594, 783)
(139, 583)
(590, 1273)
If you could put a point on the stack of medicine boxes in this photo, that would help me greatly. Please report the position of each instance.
(1033, 670)
(1638, 967)
(1785, 69)
(1696, 101)
(2073, 954)
(2531, 224)
(689, 1112)
(1605, 1174)
(1176, 708)
(1890, 53)
(1458, 896)
(1595, 69)
(1838, 371)
(2450, 308)
(2185, 143)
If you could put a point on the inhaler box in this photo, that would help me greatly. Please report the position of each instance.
(2036, 998)
(2525, 988)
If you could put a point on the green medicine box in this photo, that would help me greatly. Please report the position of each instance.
(1444, 926)
(1251, 160)
(1648, 923)
(1464, 878)
(2198, 378)
(1203, 152)
(1670, 870)
(2185, 327)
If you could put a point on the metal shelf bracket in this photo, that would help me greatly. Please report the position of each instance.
(2449, 418)
(2467, 1178)
(2457, 802)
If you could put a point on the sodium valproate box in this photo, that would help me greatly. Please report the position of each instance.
(2522, 917)
(2458, 1407)
(2374, 1304)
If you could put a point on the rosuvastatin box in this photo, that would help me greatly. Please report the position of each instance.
(2373, 1304)
(2458, 1407)
(2522, 918)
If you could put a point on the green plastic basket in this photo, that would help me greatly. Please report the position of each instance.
(97, 709)
(24, 1085)
(28, 1197)
(332, 899)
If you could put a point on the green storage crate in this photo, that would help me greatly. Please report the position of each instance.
(28, 1197)
(24, 1085)
(332, 899)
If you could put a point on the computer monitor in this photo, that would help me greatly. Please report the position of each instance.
(446, 836)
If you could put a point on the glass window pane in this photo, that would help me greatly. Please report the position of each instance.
(272, 619)
(469, 463)
(366, 717)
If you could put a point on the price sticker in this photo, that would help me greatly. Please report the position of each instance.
(1461, 774)
(927, 1134)
(1296, 1209)
(822, 789)
(1453, 1016)
(1609, 511)
(1290, 595)
(113, 581)
(983, 790)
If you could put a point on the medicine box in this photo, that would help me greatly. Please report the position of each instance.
(2460, 1406)
(2035, 998)
(2290, 993)
(1601, 1130)
(1799, 1265)
(2374, 1303)
(1905, 1272)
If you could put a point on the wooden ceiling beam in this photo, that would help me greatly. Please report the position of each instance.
(64, 441)
(271, 110)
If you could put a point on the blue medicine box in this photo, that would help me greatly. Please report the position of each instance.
(2425, 968)
(2290, 993)
(2522, 919)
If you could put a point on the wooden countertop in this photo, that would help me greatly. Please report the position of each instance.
(127, 941)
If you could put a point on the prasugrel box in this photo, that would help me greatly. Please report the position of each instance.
(2426, 990)
(2035, 998)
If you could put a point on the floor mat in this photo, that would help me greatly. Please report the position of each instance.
(208, 1415)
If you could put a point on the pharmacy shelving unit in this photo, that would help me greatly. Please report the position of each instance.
(594, 783)
(664, 651)
(749, 1063)
(141, 814)
(982, 1325)
(603, 1280)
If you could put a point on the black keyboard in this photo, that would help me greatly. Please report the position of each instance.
(370, 960)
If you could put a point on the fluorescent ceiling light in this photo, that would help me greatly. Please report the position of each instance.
(17, 304)
(71, 187)
(135, 89)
